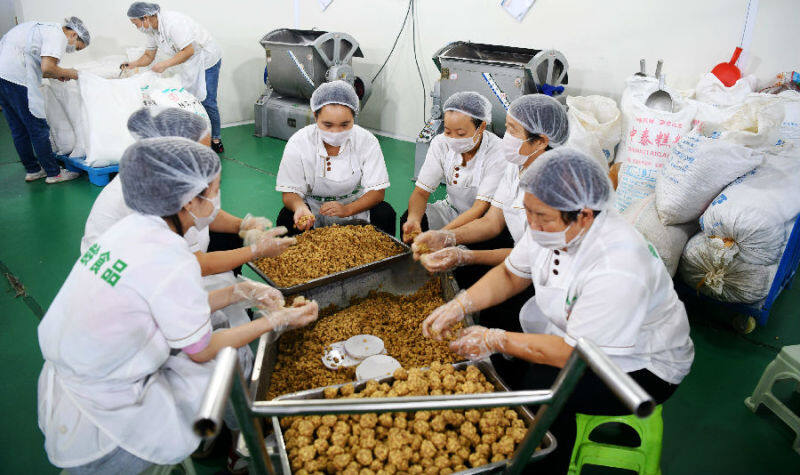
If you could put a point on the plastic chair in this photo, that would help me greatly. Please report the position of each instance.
(785, 366)
(645, 459)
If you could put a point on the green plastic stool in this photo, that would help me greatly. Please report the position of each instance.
(785, 366)
(645, 459)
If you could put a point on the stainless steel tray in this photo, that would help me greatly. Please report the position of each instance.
(327, 279)
(548, 443)
(399, 277)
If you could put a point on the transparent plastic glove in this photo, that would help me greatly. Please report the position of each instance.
(254, 222)
(268, 245)
(293, 317)
(477, 342)
(411, 229)
(258, 295)
(447, 258)
(440, 321)
(430, 241)
(252, 236)
(301, 222)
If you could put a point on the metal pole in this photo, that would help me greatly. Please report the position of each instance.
(282, 408)
(631, 394)
(260, 463)
(209, 418)
(547, 413)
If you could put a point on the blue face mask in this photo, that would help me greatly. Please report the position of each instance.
(71, 48)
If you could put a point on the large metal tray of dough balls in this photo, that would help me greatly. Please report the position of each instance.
(403, 255)
(485, 367)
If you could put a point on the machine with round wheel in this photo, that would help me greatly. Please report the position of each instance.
(500, 73)
(298, 61)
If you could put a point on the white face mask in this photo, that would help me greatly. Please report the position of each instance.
(204, 221)
(71, 48)
(555, 240)
(462, 145)
(511, 146)
(334, 139)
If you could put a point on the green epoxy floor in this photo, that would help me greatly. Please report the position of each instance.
(707, 427)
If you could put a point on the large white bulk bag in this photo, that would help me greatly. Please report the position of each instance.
(754, 211)
(790, 127)
(709, 266)
(62, 136)
(669, 241)
(697, 170)
(595, 125)
(756, 123)
(108, 104)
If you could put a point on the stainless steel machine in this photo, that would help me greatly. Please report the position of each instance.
(298, 61)
(501, 73)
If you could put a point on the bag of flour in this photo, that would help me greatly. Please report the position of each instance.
(669, 241)
(697, 170)
(61, 134)
(594, 126)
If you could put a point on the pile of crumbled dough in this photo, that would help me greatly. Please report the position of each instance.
(324, 251)
(430, 442)
(395, 319)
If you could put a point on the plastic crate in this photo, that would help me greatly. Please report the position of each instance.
(783, 279)
(99, 176)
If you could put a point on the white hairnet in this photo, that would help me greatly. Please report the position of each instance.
(143, 9)
(167, 122)
(568, 180)
(76, 24)
(470, 103)
(541, 114)
(160, 175)
(335, 92)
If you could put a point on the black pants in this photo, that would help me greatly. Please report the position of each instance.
(225, 242)
(382, 216)
(591, 396)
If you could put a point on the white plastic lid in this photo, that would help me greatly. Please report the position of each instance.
(336, 356)
(363, 346)
(376, 367)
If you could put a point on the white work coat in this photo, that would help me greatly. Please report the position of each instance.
(307, 170)
(109, 208)
(477, 180)
(21, 51)
(508, 198)
(175, 32)
(109, 379)
(612, 289)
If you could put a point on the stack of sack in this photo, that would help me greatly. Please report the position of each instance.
(713, 185)
(88, 118)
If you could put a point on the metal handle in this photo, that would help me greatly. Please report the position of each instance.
(626, 389)
(283, 408)
(642, 67)
(209, 417)
(658, 67)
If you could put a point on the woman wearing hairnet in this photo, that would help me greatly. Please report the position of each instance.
(127, 341)
(333, 172)
(30, 52)
(468, 158)
(191, 46)
(218, 247)
(534, 123)
(595, 277)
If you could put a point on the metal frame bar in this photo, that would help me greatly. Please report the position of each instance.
(228, 380)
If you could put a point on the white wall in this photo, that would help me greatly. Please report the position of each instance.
(602, 40)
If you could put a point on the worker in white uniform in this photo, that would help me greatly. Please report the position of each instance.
(534, 123)
(596, 278)
(189, 45)
(30, 52)
(333, 172)
(468, 158)
(127, 341)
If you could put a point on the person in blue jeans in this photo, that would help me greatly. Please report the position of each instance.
(30, 52)
(189, 44)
